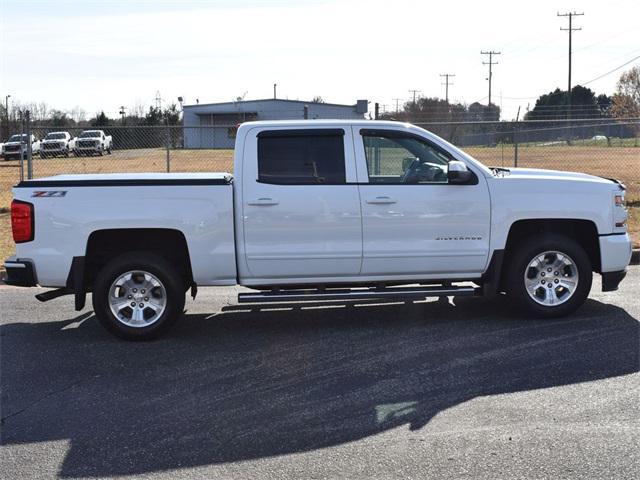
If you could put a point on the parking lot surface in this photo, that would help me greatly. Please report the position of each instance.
(463, 388)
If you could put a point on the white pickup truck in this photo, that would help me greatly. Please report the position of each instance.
(320, 210)
(57, 143)
(16, 146)
(92, 142)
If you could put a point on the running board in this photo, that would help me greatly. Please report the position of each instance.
(355, 294)
(51, 294)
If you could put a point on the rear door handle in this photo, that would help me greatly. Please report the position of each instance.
(263, 201)
(381, 200)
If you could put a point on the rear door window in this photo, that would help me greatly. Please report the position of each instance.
(301, 157)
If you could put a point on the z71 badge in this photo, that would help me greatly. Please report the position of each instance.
(49, 193)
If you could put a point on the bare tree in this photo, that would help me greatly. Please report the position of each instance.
(626, 101)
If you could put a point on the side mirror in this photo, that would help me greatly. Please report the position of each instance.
(458, 173)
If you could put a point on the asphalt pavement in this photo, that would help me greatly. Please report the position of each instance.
(464, 388)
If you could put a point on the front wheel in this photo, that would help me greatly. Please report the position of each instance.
(138, 296)
(549, 275)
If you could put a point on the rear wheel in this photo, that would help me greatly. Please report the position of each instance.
(138, 296)
(549, 275)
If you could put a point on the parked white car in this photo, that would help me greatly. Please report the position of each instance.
(320, 210)
(16, 146)
(57, 143)
(92, 142)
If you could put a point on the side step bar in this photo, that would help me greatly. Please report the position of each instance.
(355, 294)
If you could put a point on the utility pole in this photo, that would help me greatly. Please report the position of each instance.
(414, 94)
(6, 111)
(397, 100)
(158, 100)
(447, 83)
(491, 53)
(275, 85)
(570, 30)
(122, 113)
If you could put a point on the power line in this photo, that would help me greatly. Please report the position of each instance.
(611, 71)
(447, 83)
(570, 15)
(414, 94)
(491, 53)
(397, 100)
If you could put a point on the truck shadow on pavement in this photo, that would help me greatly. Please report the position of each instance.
(251, 382)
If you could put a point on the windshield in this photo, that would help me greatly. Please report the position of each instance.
(55, 136)
(16, 138)
(90, 134)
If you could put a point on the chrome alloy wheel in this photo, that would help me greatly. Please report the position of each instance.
(137, 298)
(551, 278)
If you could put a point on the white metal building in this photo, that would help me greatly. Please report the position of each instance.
(214, 125)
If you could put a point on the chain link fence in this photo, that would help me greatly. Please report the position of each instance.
(604, 147)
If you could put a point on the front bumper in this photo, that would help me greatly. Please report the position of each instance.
(20, 273)
(611, 280)
(53, 149)
(615, 252)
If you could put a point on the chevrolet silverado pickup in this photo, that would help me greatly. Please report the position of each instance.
(16, 147)
(325, 211)
(92, 142)
(57, 143)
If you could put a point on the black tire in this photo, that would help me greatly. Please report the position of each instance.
(168, 276)
(517, 264)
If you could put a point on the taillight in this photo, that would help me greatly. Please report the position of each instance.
(22, 221)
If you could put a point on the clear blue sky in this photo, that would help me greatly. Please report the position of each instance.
(102, 54)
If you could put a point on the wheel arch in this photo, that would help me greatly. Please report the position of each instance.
(170, 244)
(582, 231)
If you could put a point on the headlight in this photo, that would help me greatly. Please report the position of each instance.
(619, 200)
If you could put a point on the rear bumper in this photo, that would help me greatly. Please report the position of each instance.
(20, 273)
(611, 280)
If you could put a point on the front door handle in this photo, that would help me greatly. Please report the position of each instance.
(381, 200)
(263, 201)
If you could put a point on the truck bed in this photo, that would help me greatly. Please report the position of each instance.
(198, 205)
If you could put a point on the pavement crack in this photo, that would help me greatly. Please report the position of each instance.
(33, 404)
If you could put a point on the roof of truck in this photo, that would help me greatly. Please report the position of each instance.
(325, 121)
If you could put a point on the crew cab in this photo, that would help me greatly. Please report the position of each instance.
(320, 210)
(16, 147)
(57, 143)
(92, 142)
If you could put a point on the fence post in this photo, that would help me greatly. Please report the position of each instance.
(21, 156)
(29, 150)
(168, 141)
(515, 144)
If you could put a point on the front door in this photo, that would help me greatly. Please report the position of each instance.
(414, 222)
(301, 214)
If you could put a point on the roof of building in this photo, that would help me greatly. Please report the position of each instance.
(267, 100)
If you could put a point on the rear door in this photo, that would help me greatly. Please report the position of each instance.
(301, 205)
